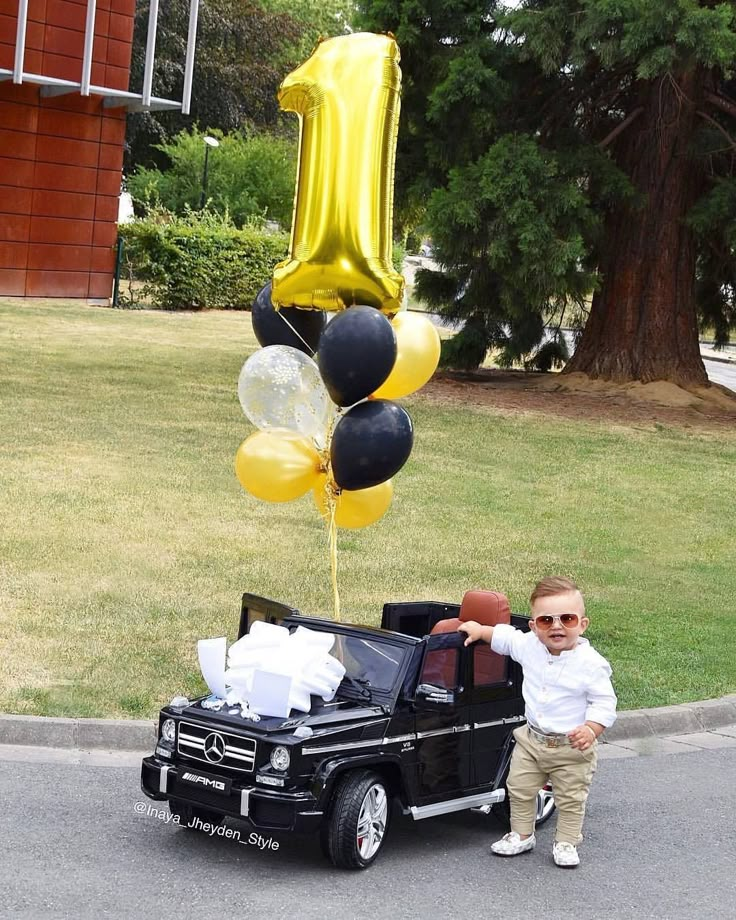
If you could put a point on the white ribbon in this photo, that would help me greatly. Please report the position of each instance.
(270, 671)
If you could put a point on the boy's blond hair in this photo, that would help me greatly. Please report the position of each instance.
(551, 586)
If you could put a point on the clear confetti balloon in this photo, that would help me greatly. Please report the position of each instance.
(281, 387)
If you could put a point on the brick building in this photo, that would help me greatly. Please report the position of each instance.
(64, 95)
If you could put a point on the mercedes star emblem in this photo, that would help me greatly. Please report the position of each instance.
(214, 747)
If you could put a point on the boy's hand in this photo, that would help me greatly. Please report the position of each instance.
(583, 736)
(475, 631)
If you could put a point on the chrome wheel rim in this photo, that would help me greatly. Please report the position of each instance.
(372, 821)
(545, 802)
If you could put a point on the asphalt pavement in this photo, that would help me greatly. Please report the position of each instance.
(721, 372)
(81, 841)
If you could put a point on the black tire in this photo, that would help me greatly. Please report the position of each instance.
(545, 807)
(360, 796)
(187, 814)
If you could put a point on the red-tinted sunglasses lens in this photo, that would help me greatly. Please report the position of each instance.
(545, 621)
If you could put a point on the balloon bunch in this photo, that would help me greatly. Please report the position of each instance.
(330, 425)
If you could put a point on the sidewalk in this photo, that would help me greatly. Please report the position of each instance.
(705, 724)
(725, 355)
(722, 737)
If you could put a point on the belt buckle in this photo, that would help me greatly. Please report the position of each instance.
(541, 738)
(553, 742)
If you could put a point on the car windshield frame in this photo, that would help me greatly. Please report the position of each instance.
(374, 663)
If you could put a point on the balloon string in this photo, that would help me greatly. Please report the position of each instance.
(332, 525)
(331, 498)
(311, 350)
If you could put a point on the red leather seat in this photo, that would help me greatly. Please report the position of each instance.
(489, 608)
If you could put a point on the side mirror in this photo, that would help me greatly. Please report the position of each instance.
(432, 694)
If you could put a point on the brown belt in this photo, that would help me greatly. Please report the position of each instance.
(549, 739)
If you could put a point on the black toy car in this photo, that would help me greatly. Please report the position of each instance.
(418, 718)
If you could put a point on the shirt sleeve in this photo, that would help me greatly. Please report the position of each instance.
(601, 698)
(506, 640)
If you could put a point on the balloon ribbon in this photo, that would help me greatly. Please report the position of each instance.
(332, 531)
(304, 341)
(331, 513)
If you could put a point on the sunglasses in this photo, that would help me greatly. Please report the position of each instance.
(546, 620)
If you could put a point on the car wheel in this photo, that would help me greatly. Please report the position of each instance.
(354, 830)
(545, 807)
(191, 817)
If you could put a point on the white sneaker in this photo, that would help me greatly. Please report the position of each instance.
(511, 844)
(565, 855)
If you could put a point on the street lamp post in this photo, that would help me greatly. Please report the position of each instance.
(208, 142)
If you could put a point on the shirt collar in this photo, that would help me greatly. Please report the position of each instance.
(582, 642)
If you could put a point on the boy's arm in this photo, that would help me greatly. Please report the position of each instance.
(602, 700)
(504, 639)
(474, 631)
(600, 712)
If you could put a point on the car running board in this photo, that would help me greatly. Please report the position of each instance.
(468, 801)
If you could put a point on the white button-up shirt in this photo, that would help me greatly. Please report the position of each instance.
(560, 691)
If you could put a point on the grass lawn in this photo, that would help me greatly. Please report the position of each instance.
(125, 537)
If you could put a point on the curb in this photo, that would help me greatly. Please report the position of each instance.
(721, 360)
(703, 716)
(83, 734)
(140, 735)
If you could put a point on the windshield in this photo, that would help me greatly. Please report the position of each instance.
(365, 660)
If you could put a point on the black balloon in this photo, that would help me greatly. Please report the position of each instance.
(371, 442)
(357, 352)
(270, 328)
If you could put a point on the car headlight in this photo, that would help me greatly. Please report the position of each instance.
(280, 758)
(168, 731)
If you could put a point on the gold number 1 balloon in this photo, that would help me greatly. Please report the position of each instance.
(347, 98)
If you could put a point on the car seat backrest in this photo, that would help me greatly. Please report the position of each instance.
(489, 608)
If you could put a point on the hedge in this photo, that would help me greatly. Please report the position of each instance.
(198, 261)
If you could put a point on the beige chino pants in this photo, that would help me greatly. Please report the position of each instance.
(569, 770)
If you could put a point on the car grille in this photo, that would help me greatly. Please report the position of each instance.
(216, 748)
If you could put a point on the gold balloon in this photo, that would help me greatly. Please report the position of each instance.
(277, 466)
(417, 356)
(355, 509)
(347, 98)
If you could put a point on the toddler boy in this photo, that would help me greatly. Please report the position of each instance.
(569, 702)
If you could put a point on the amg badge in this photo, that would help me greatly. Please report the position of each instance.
(215, 783)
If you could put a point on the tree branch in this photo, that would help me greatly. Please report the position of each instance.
(723, 103)
(620, 127)
(712, 121)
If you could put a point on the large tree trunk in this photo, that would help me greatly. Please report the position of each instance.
(643, 323)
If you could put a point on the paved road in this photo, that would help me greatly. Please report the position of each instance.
(720, 372)
(660, 844)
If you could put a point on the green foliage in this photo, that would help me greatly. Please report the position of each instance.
(413, 242)
(714, 222)
(552, 354)
(249, 176)
(649, 38)
(317, 19)
(520, 217)
(506, 149)
(243, 53)
(398, 254)
(467, 349)
(200, 260)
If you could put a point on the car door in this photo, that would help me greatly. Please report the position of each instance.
(495, 708)
(442, 720)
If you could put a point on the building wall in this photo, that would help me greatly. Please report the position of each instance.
(61, 156)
